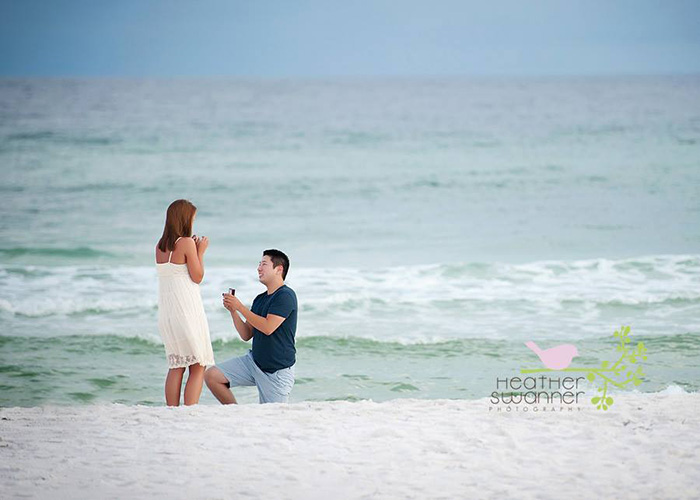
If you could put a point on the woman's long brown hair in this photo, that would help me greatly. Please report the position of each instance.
(178, 223)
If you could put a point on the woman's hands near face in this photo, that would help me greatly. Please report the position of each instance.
(202, 243)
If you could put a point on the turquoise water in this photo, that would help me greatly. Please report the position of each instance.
(434, 226)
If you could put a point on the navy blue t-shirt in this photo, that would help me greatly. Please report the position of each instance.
(276, 351)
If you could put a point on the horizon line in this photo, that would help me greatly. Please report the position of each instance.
(345, 76)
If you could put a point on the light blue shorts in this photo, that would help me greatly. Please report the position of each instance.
(272, 387)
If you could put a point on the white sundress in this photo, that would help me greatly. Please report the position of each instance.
(181, 319)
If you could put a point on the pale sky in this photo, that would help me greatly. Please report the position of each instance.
(297, 38)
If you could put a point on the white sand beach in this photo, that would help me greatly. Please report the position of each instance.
(646, 446)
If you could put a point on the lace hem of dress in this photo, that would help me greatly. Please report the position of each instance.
(179, 361)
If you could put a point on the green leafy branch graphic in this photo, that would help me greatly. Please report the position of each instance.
(619, 374)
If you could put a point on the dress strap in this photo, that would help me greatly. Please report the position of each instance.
(171, 251)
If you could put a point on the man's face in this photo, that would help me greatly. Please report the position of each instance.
(266, 271)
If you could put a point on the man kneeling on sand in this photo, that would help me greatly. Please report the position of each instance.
(271, 322)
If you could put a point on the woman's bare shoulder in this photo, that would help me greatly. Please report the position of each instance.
(182, 243)
(185, 243)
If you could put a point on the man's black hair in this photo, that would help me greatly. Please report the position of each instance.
(278, 258)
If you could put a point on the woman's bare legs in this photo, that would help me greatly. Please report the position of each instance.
(173, 385)
(193, 388)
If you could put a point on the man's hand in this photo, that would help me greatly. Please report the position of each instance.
(231, 302)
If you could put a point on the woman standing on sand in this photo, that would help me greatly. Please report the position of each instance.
(181, 319)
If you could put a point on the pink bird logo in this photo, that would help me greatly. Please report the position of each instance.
(555, 358)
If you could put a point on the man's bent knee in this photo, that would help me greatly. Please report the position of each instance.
(214, 376)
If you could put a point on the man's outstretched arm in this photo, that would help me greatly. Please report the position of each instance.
(266, 325)
(245, 330)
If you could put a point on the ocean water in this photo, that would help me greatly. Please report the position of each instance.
(433, 225)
